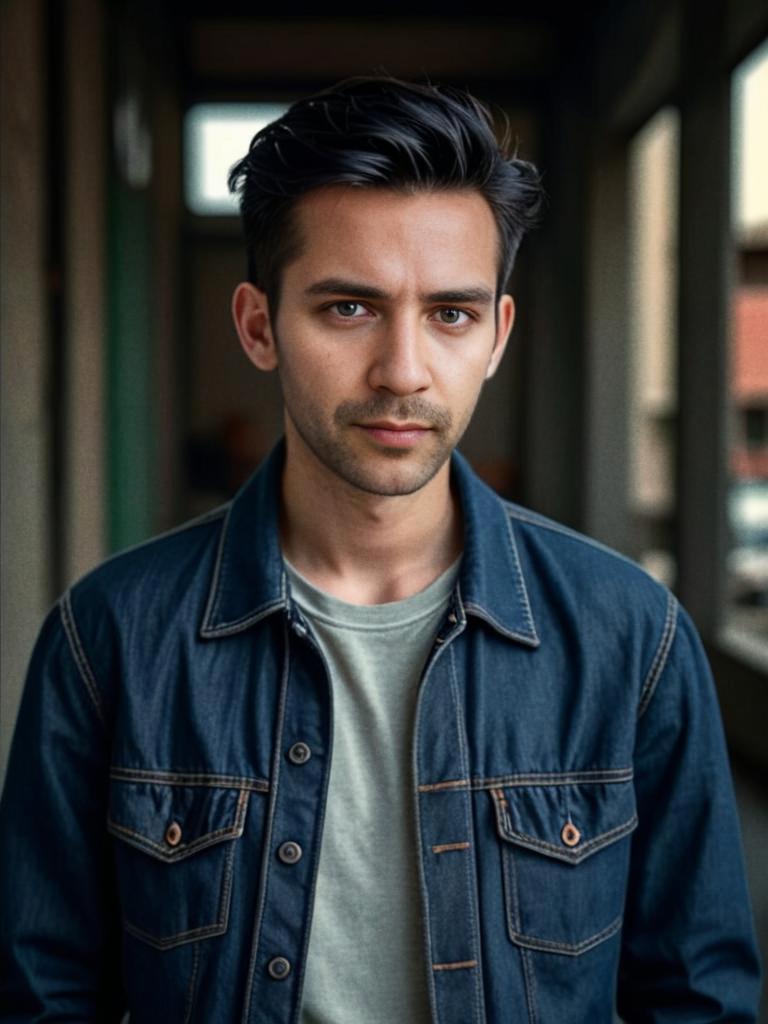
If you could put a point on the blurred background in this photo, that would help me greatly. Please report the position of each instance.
(633, 404)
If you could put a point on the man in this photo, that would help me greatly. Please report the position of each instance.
(370, 744)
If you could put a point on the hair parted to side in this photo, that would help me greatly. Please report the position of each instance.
(377, 132)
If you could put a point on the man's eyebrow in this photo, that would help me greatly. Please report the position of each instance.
(479, 295)
(340, 286)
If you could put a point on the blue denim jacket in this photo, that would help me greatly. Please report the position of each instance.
(577, 842)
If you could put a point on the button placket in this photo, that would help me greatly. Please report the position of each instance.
(297, 789)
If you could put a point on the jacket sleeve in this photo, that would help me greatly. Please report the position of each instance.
(59, 934)
(689, 951)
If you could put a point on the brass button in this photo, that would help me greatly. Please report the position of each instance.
(173, 834)
(570, 834)
(279, 968)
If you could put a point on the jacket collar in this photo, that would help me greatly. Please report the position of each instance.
(249, 580)
(492, 581)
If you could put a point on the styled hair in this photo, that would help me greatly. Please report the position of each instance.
(377, 132)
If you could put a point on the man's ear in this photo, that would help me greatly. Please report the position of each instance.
(250, 311)
(505, 318)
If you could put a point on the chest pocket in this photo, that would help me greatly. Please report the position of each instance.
(565, 857)
(174, 858)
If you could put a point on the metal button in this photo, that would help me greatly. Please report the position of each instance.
(439, 640)
(299, 629)
(299, 753)
(290, 852)
(173, 834)
(279, 968)
(570, 834)
(452, 618)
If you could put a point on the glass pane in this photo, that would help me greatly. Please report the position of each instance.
(653, 158)
(217, 135)
(747, 567)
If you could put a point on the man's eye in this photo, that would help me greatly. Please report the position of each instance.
(452, 316)
(349, 309)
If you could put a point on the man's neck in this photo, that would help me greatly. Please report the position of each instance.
(365, 548)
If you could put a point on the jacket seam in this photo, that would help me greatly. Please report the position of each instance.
(568, 948)
(576, 856)
(78, 653)
(530, 518)
(139, 839)
(608, 776)
(470, 879)
(180, 939)
(192, 989)
(417, 769)
(170, 778)
(266, 866)
(191, 524)
(530, 985)
(660, 658)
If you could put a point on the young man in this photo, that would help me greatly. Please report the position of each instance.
(370, 744)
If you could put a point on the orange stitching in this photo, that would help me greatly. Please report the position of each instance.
(447, 847)
(431, 787)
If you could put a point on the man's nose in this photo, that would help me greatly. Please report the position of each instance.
(400, 362)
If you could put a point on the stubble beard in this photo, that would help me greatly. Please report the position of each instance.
(386, 472)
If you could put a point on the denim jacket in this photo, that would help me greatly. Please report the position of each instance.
(577, 842)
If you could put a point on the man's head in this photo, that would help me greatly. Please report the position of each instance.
(382, 222)
(377, 133)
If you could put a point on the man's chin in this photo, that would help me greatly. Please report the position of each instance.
(397, 479)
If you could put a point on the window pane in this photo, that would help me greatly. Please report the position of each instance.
(217, 135)
(747, 568)
(653, 158)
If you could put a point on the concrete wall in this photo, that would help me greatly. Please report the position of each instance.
(25, 498)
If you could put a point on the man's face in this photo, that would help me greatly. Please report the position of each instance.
(386, 331)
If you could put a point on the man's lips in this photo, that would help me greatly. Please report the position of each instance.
(395, 434)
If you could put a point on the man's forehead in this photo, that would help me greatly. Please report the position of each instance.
(361, 229)
(346, 200)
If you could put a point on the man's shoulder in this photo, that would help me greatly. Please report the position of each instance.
(157, 568)
(569, 540)
(584, 567)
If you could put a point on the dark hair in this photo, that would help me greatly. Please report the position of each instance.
(377, 133)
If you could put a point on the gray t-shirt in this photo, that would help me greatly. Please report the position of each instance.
(366, 949)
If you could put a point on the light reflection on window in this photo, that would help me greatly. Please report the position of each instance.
(217, 135)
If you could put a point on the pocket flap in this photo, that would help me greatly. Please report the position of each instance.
(565, 821)
(171, 822)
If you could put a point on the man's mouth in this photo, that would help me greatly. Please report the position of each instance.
(395, 434)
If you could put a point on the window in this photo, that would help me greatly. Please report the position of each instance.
(217, 135)
(747, 565)
(653, 215)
